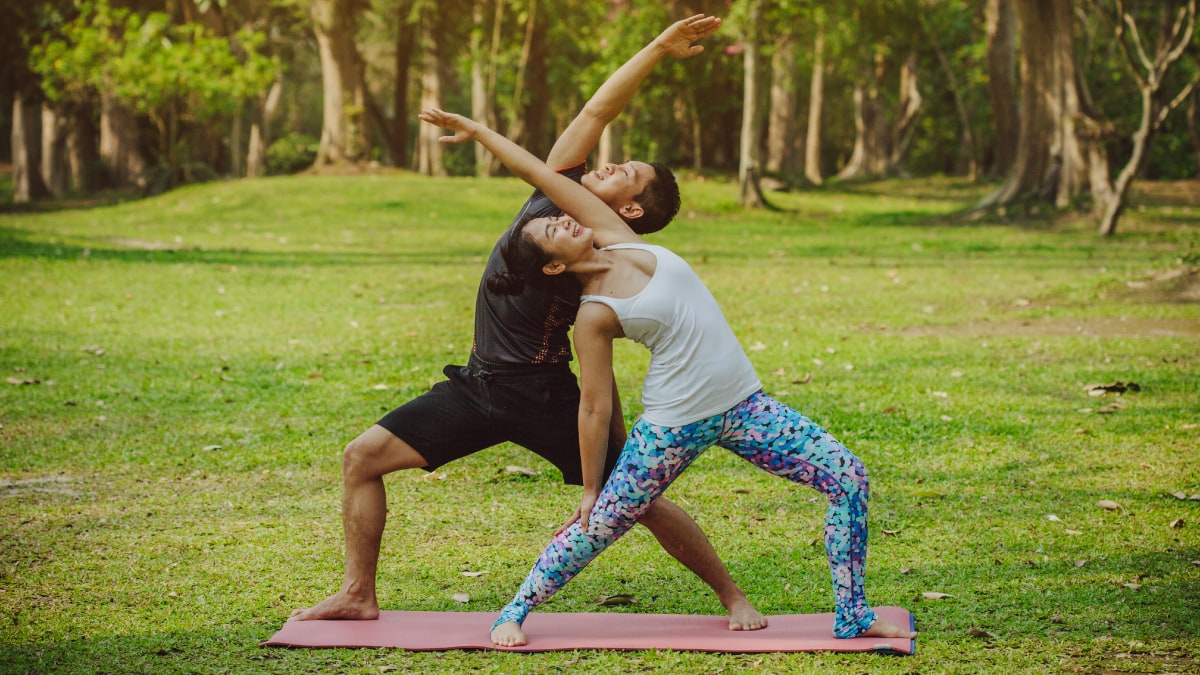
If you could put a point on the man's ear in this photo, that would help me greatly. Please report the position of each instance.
(552, 268)
(631, 211)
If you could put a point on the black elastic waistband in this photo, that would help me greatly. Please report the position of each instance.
(480, 367)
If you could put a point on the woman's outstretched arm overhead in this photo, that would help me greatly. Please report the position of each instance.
(570, 196)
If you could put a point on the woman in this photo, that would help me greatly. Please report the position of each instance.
(700, 390)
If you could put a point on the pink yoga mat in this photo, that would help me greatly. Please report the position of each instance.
(548, 631)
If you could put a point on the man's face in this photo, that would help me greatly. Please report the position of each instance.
(618, 184)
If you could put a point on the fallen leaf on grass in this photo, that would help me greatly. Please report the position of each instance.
(1080, 563)
(1112, 387)
(210, 448)
(1053, 518)
(1133, 586)
(934, 595)
(1187, 426)
(474, 574)
(613, 600)
(891, 532)
(804, 380)
(1177, 523)
(1073, 532)
(979, 633)
(905, 570)
(25, 380)
(1109, 505)
(512, 468)
(461, 597)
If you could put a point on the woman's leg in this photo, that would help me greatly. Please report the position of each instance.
(784, 442)
(653, 457)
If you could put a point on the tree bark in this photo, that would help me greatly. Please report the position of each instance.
(750, 194)
(405, 43)
(1194, 128)
(480, 96)
(1050, 161)
(1002, 91)
(120, 153)
(55, 167)
(872, 138)
(260, 129)
(781, 121)
(906, 116)
(429, 151)
(816, 101)
(26, 150)
(82, 152)
(344, 133)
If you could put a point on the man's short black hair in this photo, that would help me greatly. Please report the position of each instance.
(660, 201)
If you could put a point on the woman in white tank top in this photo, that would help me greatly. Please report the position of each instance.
(700, 390)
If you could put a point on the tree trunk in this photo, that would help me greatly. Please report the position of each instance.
(1194, 128)
(344, 134)
(27, 175)
(1002, 91)
(610, 148)
(406, 35)
(429, 151)
(1049, 161)
(260, 129)
(1172, 42)
(872, 152)
(816, 101)
(536, 114)
(781, 121)
(516, 120)
(750, 194)
(906, 116)
(120, 153)
(55, 167)
(237, 153)
(967, 163)
(480, 96)
(82, 153)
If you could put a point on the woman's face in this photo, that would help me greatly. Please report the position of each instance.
(561, 237)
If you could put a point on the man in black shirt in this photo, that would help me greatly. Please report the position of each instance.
(517, 385)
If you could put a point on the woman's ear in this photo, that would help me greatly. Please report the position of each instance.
(553, 267)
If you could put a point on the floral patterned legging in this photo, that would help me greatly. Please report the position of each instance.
(759, 429)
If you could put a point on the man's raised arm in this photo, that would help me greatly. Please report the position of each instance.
(582, 135)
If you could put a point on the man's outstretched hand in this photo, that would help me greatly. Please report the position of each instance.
(679, 39)
(464, 129)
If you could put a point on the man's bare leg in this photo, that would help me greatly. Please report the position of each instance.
(366, 460)
(681, 537)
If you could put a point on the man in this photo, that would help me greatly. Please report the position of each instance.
(518, 385)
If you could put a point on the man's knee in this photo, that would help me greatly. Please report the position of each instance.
(377, 452)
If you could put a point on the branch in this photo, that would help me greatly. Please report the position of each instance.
(1137, 42)
(1175, 102)
(1185, 23)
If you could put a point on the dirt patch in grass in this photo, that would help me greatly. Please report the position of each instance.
(52, 484)
(1055, 327)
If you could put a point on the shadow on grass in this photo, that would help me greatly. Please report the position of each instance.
(15, 243)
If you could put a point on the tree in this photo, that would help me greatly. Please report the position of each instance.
(175, 75)
(1001, 60)
(816, 104)
(345, 136)
(1053, 161)
(1150, 65)
(749, 165)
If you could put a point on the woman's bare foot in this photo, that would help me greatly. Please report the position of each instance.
(508, 634)
(342, 605)
(884, 628)
(743, 616)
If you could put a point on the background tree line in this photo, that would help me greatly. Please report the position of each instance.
(1063, 101)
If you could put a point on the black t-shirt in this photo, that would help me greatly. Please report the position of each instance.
(529, 328)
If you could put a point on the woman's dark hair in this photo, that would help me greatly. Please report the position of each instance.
(660, 201)
(523, 262)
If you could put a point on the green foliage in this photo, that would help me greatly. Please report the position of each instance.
(294, 152)
(181, 374)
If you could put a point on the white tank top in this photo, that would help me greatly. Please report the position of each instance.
(697, 367)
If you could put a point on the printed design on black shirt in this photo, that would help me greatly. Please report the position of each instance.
(555, 319)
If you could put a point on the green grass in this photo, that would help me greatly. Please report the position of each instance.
(185, 370)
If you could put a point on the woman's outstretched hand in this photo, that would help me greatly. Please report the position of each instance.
(464, 129)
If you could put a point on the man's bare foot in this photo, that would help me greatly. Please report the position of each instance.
(743, 616)
(342, 605)
(508, 634)
(884, 628)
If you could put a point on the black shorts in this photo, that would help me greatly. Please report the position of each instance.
(478, 406)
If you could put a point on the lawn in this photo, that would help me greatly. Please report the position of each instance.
(182, 373)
